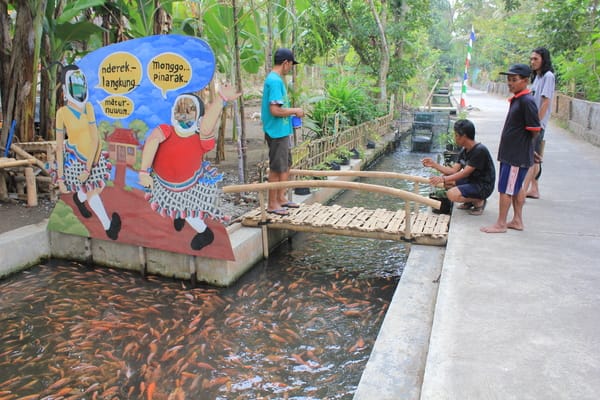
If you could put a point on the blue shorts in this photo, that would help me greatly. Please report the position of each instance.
(469, 190)
(510, 179)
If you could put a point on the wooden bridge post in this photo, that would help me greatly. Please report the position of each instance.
(408, 220)
(263, 223)
(32, 200)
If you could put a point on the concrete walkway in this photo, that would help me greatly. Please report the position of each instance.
(518, 314)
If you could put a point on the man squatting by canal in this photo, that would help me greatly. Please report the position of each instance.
(471, 179)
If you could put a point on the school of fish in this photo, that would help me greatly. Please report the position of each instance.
(70, 331)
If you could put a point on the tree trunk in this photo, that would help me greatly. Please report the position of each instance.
(240, 101)
(220, 151)
(5, 52)
(21, 78)
(384, 51)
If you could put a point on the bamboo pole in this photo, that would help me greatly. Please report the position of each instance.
(3, 187)
(263, 223)
(32, 199)
(11, 163)
(19, 151)
(361, 174)
(403, 194)
(407, 221)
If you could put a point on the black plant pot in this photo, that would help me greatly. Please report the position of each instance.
(344, 161)
(355, 154)
(304, 191)
(370, 144)
(451, 157)
(334, 166)
(445, 207)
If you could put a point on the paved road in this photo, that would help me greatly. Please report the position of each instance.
(518, 314)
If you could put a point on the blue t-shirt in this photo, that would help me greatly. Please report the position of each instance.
(274, 92)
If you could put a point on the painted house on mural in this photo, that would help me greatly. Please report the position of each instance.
(122, 148)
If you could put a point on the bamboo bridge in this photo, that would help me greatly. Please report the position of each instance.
(421, 227)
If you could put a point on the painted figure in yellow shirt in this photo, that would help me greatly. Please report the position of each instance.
(82, 168)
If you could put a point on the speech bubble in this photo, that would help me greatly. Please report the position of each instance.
(117, 107)
(169, 71)
(120, 73)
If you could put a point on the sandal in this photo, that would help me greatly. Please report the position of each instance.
(290, 204)
(465, 206)
(279, 211)
(478, 210)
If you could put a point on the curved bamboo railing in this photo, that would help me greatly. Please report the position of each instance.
(403, 194)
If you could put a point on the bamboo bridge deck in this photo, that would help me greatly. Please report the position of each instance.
(421, 228)
(425, 227)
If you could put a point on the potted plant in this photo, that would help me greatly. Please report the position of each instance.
(441, 196)
(344, 155)
(333, 161)
(451, 148)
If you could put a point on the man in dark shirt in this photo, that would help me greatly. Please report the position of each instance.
(471, 179)
(515, 153)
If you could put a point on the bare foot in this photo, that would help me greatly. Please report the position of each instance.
(515, 225)
(493, 229)
(533, 195)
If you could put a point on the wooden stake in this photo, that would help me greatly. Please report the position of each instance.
(32, 200)
(263, 226)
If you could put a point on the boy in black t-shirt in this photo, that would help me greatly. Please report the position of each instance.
(471, 179)
(515, 152)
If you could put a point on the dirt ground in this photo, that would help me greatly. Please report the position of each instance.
(15, 213)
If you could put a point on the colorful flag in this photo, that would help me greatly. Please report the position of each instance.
(466, 75)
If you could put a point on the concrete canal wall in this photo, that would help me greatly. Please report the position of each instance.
(29, 245)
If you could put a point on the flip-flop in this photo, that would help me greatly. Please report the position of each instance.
(465, 206)
(478, 210)
(290, 204)
(279, 211)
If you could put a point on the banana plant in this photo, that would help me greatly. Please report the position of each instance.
(65, 34)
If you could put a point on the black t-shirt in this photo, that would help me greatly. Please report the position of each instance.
(516, 144)
(484, 175)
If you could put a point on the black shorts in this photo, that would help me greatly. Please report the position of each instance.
(280, 155)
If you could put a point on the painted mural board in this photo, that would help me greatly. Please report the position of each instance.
(130, 144)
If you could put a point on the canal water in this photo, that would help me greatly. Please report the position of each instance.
(300, 325)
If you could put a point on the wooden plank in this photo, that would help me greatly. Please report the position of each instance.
(371, 224)
(384, 221)
(337, 214)
(396, 221)
(348, 216)
(320, 218)
(428, 228)
(418, 222)
(360, 218)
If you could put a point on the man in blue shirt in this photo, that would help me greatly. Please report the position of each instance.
(275, 116)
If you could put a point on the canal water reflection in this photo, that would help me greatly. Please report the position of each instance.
(298, 326)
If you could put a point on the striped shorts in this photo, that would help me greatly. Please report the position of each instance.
(510, 178)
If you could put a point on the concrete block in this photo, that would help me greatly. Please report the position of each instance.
(23, 247)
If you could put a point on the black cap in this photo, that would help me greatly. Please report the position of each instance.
(518, 69)
(284, 54)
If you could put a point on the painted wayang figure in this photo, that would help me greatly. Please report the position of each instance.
(82, 167)
(182, 186)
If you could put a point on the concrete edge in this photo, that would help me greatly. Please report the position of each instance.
(16, 252)
(397, 363)
(23, 247)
